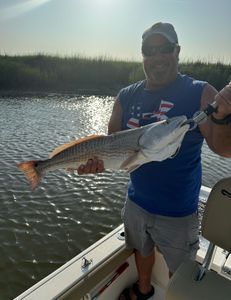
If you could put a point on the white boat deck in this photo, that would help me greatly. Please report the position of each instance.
(62, 283)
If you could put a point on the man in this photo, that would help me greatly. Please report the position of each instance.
(161, 209)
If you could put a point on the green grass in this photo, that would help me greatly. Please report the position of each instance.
(45, 73)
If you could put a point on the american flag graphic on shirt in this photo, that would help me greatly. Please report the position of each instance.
(155, 116)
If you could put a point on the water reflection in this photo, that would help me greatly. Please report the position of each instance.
(42, 230)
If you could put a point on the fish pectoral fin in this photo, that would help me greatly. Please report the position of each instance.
(133, 168)
(133, 162)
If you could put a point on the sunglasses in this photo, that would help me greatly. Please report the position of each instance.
(153, 50)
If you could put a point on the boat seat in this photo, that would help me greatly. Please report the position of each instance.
(193, 281)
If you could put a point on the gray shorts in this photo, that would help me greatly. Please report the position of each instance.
(176, 238)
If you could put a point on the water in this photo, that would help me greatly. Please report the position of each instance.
(40, 231)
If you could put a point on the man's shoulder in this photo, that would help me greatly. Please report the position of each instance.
(128, 94)
(130, 89)
(192, 81)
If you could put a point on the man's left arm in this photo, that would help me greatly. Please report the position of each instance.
(216, 134)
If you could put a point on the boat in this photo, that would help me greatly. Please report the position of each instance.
(105, 268)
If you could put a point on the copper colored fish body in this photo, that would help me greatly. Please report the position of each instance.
(125, 150)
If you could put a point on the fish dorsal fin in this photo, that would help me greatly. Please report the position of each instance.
(72, 143)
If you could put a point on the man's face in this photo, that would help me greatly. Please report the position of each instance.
(160, 61)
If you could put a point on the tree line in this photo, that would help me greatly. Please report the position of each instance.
(45, 73)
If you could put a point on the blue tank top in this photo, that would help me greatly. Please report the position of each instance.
(170, 187)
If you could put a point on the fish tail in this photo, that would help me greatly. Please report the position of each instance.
(32, 174)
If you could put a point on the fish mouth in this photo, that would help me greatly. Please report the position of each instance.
(184, 123)
(179, 121)
(190, 123)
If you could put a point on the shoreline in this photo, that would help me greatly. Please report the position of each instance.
(98, 92)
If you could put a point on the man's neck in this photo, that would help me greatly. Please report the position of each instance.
(153, 85)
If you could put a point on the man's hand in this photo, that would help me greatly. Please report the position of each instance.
(92, 166)
(223, 99)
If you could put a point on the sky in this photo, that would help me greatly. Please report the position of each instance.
(113, 28)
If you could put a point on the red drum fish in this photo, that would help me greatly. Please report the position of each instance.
(125, 150)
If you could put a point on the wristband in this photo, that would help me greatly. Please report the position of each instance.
(225, 121)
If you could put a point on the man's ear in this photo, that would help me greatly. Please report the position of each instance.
(178, 51)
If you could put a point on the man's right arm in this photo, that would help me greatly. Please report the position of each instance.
(115, 122)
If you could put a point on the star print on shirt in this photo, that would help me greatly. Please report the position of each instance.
(140, 119)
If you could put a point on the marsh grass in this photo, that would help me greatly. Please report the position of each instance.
(45, 73)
